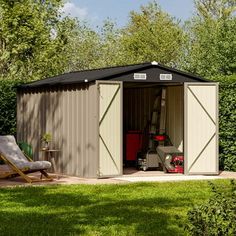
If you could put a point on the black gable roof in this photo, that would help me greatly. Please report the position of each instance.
(120, 73)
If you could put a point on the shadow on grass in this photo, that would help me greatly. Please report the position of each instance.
(87, 210)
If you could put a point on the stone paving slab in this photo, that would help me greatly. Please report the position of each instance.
(137, 177)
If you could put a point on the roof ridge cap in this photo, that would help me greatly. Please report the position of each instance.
(109, 67)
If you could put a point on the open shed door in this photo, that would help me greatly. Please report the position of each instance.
(201, 128)
(110, 129)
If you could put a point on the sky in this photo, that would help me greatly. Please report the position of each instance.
(96, 11)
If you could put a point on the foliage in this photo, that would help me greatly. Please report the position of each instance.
(215, 8)
(33, 39)
(110, 46)
(152, 35)
(8, 106)
(227, 122)
(90, 49)
(47, 137)
(217, 216)
(84, 48)
(108, 209)
(211, 47)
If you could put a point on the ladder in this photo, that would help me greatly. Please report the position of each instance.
(155, 115)
(163, 112)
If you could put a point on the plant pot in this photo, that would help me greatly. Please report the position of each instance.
(46, 146)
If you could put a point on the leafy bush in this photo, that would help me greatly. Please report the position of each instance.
(8, 106)
(216, 217)
(227, 122)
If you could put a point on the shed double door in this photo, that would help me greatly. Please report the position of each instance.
(110, 128)
(201, 128)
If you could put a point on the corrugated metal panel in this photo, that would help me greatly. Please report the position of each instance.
(91, 167)
(110, 129)
(138, 106)
(175, 115)
(69, 114)
(201, 128)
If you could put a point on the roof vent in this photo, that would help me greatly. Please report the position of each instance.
(154, 63)
(165, 76)
(140, 76)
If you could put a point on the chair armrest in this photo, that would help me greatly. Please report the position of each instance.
(28, 158)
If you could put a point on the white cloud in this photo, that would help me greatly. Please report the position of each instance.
(70, 9)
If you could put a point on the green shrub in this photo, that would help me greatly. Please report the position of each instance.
(227, 122)
(8, 106)
(216, 217)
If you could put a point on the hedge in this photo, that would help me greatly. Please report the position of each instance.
(217, 216)
(8, 106)
(227, 119)
(227, 122)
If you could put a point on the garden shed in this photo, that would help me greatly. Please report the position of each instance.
(90, 112)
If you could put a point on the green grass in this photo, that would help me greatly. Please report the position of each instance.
(129, 209)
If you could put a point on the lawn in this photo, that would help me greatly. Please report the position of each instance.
(125, 209)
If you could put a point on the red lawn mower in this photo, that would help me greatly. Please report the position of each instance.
(165, 155)
(171, 158)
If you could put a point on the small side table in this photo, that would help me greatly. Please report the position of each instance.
(50, 155)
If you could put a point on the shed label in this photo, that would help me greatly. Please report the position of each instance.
(140, 76)
(165, 76)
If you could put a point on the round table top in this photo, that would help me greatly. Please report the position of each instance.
(50, 150)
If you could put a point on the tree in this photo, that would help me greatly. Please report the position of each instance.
(84, 48)
(152, 35)
(110, 45)
(33, 38)
(91, 49)
(215, 9)
(211, 32)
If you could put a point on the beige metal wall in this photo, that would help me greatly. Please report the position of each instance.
(175, 115)
(70, 115)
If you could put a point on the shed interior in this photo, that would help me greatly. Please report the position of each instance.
(143, 113)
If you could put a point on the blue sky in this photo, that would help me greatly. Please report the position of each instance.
(96, 11)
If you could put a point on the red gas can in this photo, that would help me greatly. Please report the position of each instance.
(133, 144)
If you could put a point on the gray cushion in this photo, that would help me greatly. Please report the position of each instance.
(10, 150)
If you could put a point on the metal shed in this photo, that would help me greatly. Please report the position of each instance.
(88, 111)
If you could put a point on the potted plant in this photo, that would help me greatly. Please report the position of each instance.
(46, 139)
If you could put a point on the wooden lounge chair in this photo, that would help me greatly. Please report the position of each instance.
(17, 163)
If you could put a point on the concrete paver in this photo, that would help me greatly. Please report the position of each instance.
(138, 176)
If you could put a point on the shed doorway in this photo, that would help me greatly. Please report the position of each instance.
(153, 122)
